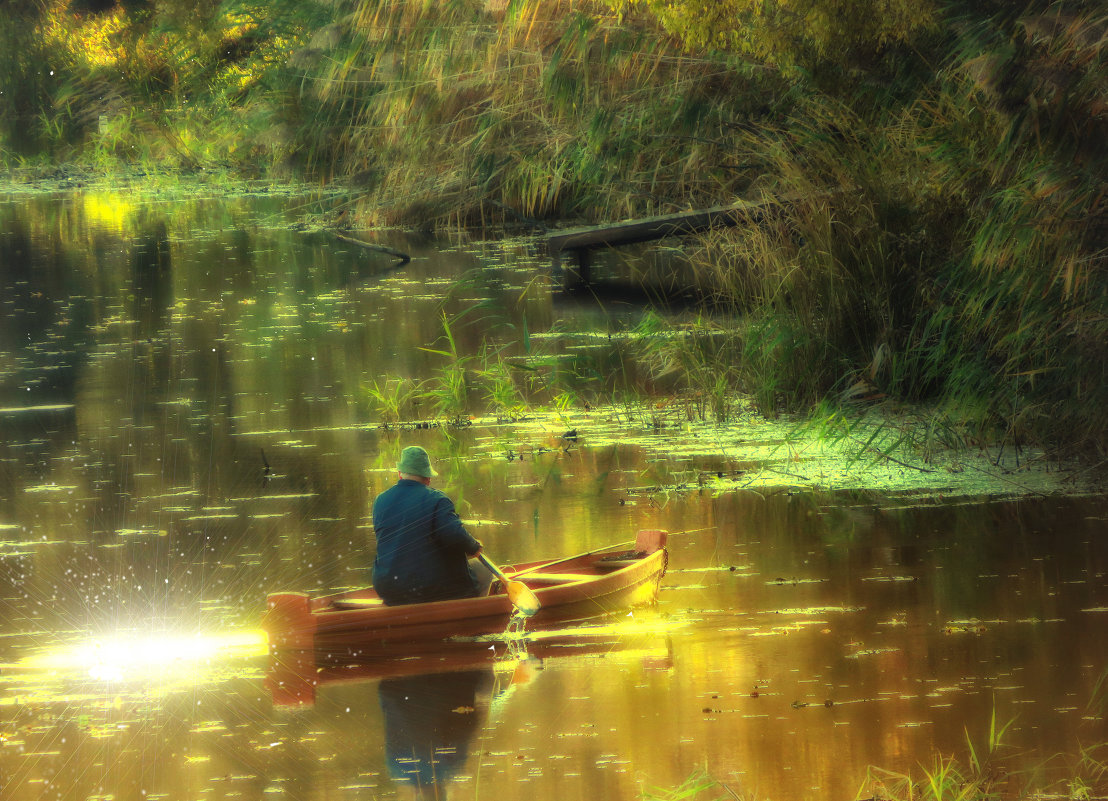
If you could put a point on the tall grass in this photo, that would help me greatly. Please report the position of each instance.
(459, 113)
(950, 250)
(987, 773)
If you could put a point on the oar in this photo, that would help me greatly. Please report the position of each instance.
(518, 593)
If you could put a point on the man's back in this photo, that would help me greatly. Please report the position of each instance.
(422, 546)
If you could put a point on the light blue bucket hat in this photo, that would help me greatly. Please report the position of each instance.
(415, 461)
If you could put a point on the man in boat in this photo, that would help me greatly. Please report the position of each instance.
(423, 550)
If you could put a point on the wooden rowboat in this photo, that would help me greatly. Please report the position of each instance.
(572, 589)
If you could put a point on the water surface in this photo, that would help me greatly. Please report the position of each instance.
(185, 425)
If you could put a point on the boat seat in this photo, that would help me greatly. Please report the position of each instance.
(357, 603)
(551, 578)
(617, 561)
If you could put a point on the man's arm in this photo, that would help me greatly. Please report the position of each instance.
(450, 531)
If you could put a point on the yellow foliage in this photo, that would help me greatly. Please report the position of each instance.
(778, 32)
(95, 39)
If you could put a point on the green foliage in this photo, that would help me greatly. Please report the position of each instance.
(163, 82)
(948, 250)
(26, 128)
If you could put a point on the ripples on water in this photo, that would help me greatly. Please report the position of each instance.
(184, 427)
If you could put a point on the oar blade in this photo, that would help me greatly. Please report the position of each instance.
(518, 593)
(522, 598)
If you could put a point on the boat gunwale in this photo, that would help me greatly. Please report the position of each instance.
(400, 615)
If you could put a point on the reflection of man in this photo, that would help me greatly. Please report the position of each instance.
(422, 546)
(429, 723)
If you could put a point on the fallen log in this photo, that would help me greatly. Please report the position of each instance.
(399, 254)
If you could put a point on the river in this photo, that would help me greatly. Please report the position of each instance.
(198, 403)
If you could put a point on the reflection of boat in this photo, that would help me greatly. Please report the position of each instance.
(576, 588)
(430, 717)
(295, 676)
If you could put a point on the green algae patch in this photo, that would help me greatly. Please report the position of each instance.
(753, 454)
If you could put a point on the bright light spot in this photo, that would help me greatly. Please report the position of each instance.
(125, 658)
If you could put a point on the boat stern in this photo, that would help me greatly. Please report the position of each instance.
(650, 540)
(288, 621)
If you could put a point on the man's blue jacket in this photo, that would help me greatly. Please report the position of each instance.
(422, 546)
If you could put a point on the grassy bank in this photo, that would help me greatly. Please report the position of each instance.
(940, 228)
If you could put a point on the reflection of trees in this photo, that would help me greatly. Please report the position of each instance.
(151, 279)
(43, 310)
(156, 451)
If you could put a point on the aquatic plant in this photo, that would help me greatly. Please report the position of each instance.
(392, 399)
(985, 775)
(448, 389)
(698, 787)
(703, 360)
(496, 376)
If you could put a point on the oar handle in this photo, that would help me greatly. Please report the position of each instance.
(496, 571)
(521, 596)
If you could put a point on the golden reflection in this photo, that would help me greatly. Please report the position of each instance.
(108, 211)
(164, 659)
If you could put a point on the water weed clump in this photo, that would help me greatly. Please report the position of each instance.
(392, 400)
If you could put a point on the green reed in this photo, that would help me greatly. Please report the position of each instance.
(701, 362)
(393, 400)
(698, 787)
(498, 379)
(449, 388)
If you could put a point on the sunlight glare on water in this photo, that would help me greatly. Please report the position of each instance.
(156, 661)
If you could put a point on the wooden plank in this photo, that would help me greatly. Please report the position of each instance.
(647, 228)
(558, 578)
